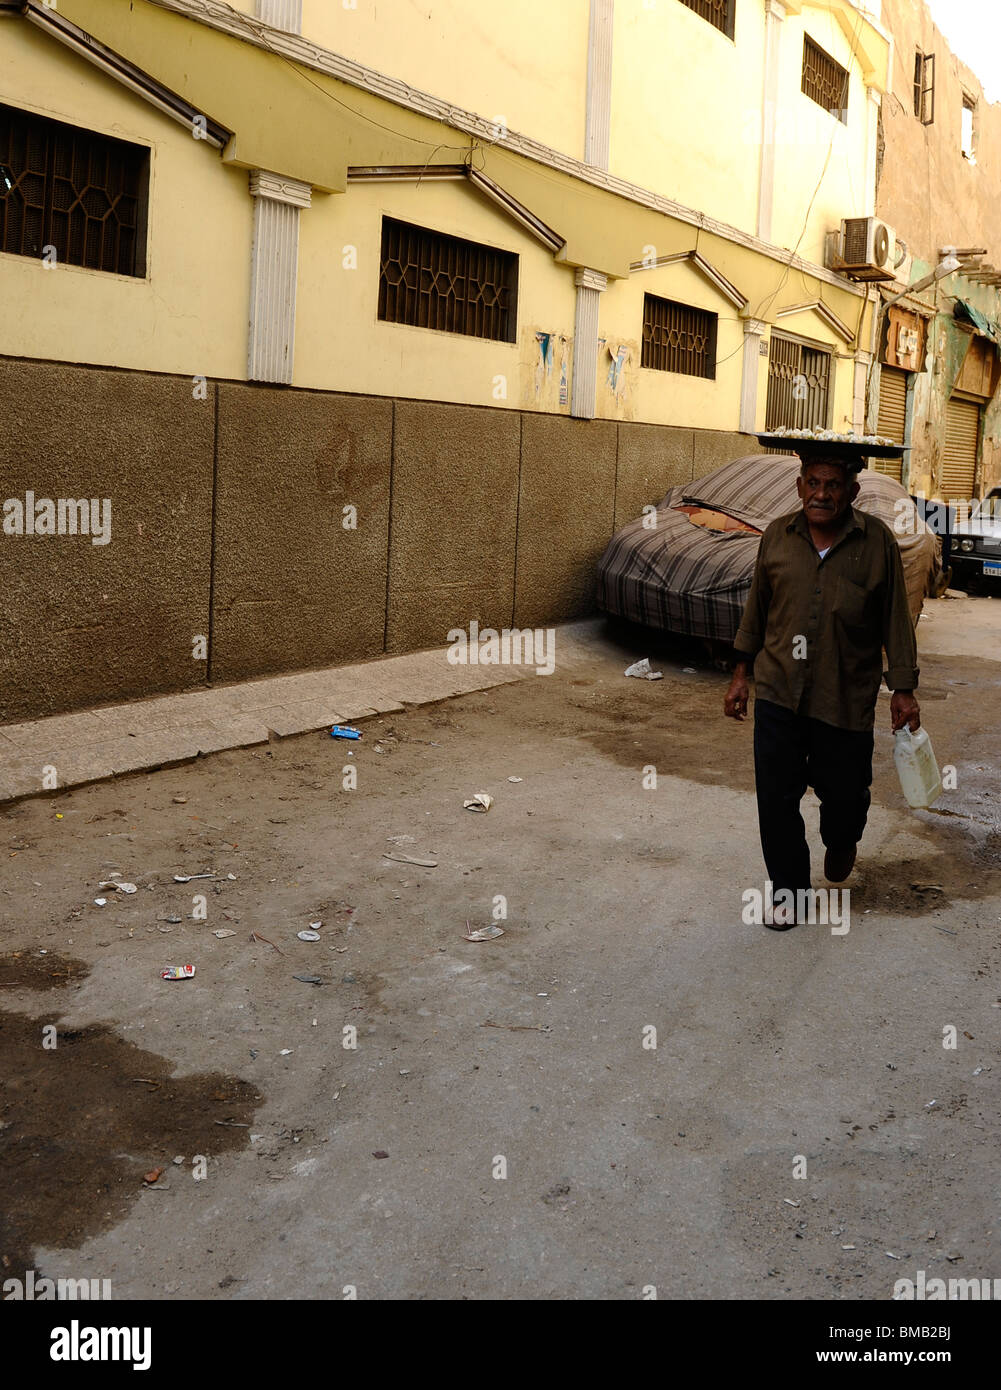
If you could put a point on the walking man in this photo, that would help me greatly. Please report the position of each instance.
(827, 597)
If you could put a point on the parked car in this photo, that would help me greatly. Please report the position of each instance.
(971, 535)
(685, 566)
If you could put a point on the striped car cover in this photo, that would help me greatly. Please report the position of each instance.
(687, 579)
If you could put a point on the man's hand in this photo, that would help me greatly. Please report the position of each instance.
(904, 709)
(735, 703)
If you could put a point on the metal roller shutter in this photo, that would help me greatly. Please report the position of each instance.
(959, 460)
(892, 419)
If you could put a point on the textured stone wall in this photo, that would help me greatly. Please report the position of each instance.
(84, 624)
(454, 514)
(301, 530)
(259, 529)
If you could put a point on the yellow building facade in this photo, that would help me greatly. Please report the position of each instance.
(768, 157)
(641, 189)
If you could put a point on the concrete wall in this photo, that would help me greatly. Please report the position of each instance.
(565, 516)
(299, 581)
(83, 624)
(227, 523)
(935, 197)
(927, 189)
(455, 516)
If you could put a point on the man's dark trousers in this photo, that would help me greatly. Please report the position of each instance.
(793, 752)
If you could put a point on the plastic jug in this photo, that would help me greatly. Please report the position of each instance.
(916, 767)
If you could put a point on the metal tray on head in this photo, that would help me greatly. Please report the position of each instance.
(832, 448)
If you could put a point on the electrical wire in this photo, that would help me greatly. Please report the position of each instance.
(259, 31)
(477, 144)
(767, 301)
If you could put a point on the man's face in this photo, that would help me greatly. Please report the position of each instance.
(826, 491)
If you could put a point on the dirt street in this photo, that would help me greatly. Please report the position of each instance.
(505, 1126)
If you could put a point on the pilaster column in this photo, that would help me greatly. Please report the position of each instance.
(775, 13)
(281, 14)
(274, 269)
(590, 285)
(598, 117)
(754, 329)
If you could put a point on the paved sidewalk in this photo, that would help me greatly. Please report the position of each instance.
(70, 749)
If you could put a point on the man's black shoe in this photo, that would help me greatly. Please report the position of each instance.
(838, 864)
(783, 918)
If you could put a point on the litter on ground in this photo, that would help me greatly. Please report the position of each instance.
(483, 933)
(642, 669)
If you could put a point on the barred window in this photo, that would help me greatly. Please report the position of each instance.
(678, 338)
(718, 12)
(431, 280)
(799, 385)
(83, 194)
(824, 80)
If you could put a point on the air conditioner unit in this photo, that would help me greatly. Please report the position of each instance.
(868, 249)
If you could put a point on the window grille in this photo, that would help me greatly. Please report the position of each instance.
(678, 338)
(824, 80)
(718, 12)
(431, 280)
(799, 379)
(83, 194)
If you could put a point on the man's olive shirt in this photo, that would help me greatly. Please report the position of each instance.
(815, 628)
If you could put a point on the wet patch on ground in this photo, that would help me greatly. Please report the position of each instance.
(673, 732)
(38, 971)
(916, 886)
(676, 725)
(85, 1116)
